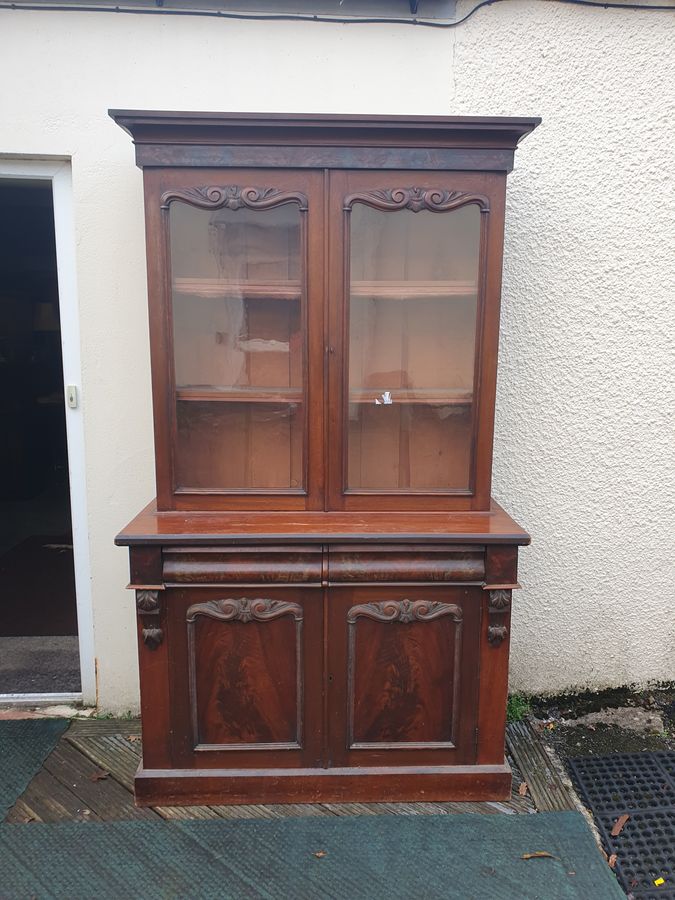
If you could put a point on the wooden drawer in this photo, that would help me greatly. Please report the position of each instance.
(348, 564)
(243, 565)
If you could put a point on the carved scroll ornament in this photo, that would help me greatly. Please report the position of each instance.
(405, 611)
(233, 197)
(416, 199)
(148, 608)
(244, 610)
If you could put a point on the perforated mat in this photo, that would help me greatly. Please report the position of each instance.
(641, 786)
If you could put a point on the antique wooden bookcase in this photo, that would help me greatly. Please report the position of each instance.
(323, 584)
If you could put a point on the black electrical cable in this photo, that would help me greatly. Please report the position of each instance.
(293, 17)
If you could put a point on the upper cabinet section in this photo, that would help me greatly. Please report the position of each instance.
(324, 307)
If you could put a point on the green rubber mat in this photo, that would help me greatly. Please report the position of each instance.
(454, 856)
(24, 745)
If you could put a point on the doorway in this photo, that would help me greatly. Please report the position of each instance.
(39, 644)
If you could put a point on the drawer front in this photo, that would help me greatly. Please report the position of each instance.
(313, 564)
(399, 563)
(403, 675)
(245, 565)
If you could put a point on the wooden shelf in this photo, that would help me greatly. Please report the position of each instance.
(404, 290)
(201, 393)
(291, 290)
(236, 290)
(435, 396)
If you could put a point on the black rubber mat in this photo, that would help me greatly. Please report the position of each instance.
(641, 786)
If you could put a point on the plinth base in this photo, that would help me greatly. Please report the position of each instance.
(190, 787)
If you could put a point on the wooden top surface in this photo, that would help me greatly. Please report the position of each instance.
(152, 527)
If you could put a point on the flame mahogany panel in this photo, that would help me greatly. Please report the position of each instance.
(403, 662)
(404, 678)
(246, 673)
(246, 670)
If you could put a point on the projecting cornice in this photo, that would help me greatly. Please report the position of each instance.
(318, 141)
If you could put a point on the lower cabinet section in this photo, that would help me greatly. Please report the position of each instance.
(303, 692)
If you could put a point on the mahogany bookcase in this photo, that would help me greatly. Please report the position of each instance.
(323, 583)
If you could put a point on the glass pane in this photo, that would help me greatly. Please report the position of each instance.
(412, 335)
(238, 347)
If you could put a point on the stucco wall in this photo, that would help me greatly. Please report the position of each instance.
(585, 442)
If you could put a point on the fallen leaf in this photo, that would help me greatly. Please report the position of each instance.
(522, 790)
(320, 854)
(133, 738)
(617, 827)
(98, 776)
(539, 854)
(612, 860)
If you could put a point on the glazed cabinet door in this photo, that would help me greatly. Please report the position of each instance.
(235, 271)
(245, 668)
(414, 311)
(403, 675)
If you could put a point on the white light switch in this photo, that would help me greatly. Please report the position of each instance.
(71, 396)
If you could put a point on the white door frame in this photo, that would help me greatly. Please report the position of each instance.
(58, 171)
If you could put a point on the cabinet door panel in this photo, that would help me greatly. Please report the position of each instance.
(246, 659)
(414, 302)
(403, 663)
(402, 680)
(246, 673)
(236, 310)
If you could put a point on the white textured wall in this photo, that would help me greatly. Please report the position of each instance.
(585, 442)
(585, 437)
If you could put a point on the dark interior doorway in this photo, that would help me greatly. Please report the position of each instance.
(38, 616)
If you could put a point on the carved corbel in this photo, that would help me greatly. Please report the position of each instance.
(149, 609)
(499, 607)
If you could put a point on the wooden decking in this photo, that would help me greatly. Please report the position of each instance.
(89, 777)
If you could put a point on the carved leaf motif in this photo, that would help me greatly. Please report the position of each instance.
(499, 600)
(152, 637)
(496, 634)
(147, 601)
(405, 611)
(416, 199)
(233, 197)
(244, 610)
